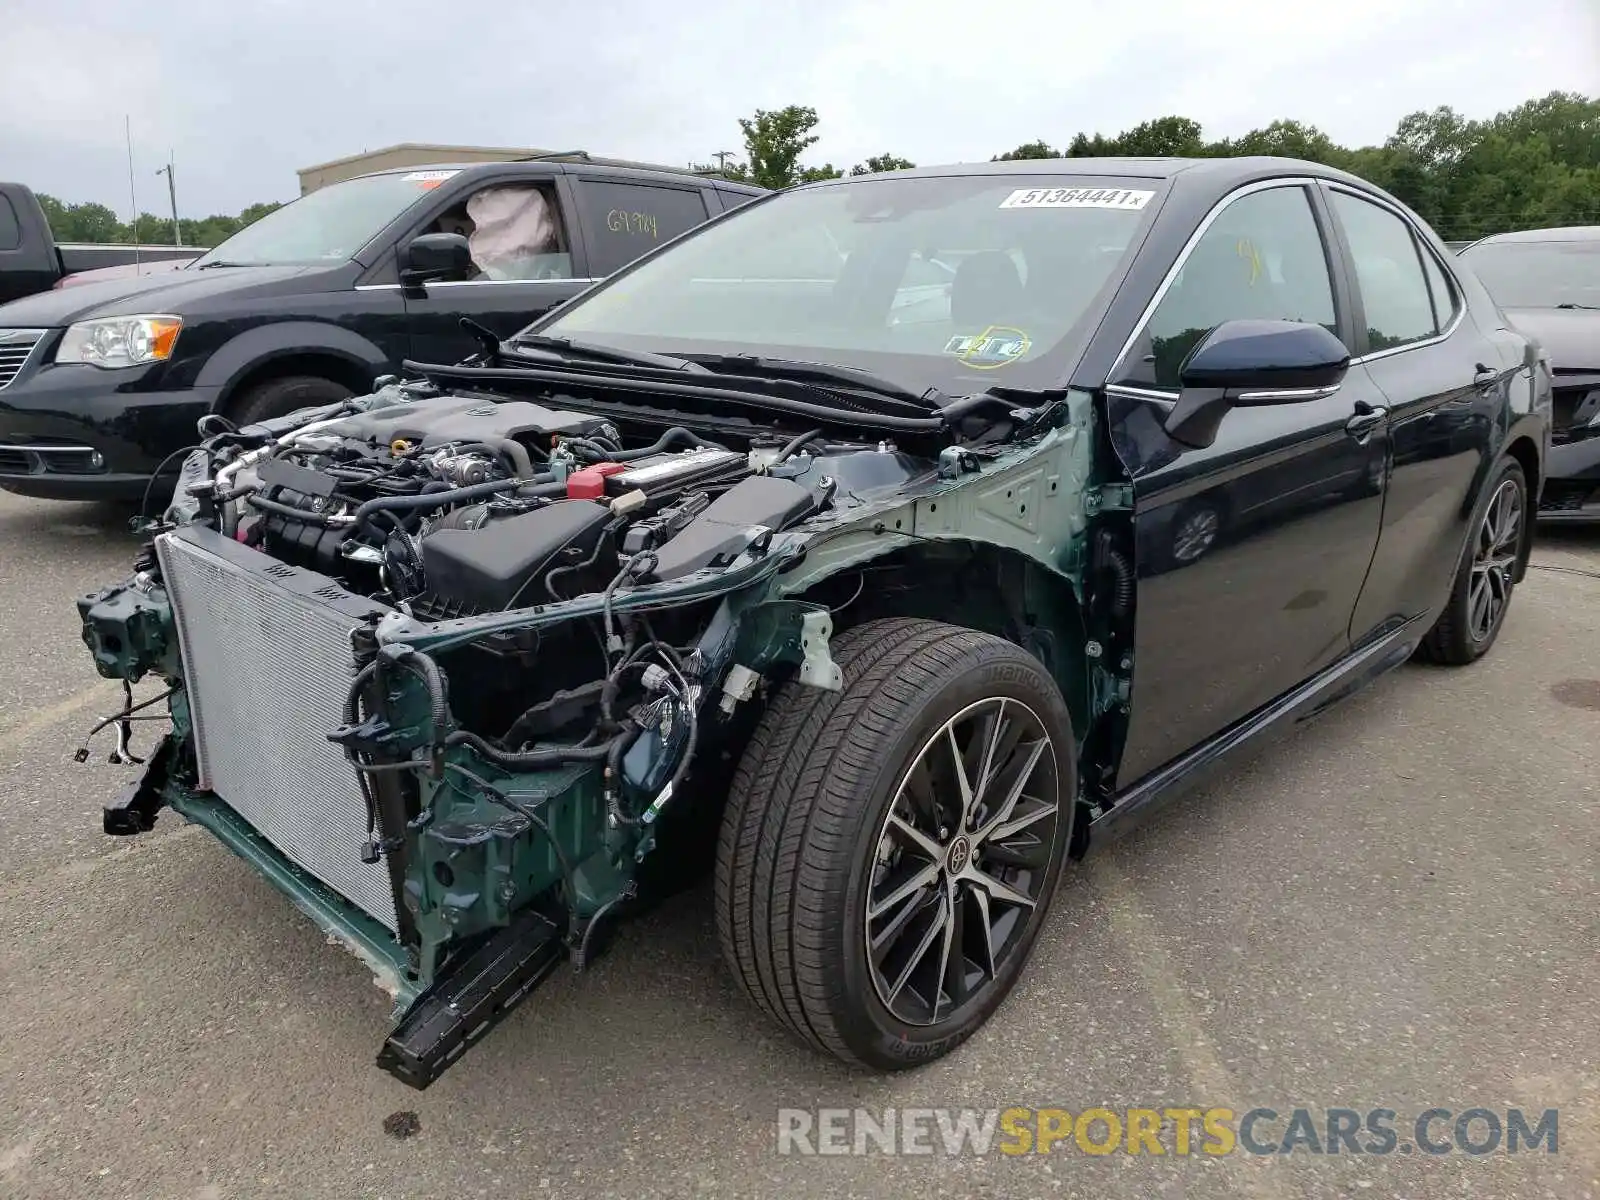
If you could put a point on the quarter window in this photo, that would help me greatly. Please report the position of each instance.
(1262, 258)
(624, 220)
(1444, 292)
(1389, 270)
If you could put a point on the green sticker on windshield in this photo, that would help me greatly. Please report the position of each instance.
(996, 346)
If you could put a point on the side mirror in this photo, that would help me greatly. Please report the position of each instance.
(433, 256)
(1253, 363)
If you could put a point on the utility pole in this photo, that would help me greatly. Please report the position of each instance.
(722, 157)
(172, 195)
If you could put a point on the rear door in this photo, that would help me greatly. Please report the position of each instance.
(1251, 552)
(1442, 381)
(531, 263)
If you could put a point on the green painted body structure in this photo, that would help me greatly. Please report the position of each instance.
(482, 844)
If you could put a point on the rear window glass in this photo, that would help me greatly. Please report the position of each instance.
(624, 220)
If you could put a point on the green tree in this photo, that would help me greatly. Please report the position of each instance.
(1178, 136)
(1285, 139)
(92, 223)
(1039, 149)
(774, 142)
(256, 211)
(882, 162)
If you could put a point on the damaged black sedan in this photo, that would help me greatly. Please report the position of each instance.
(887, 542)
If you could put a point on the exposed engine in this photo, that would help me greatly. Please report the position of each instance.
(458, 506)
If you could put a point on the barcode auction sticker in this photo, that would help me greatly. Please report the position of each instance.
(1077, 198)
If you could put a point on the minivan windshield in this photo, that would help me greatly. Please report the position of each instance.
(953, 282)
(1538, 274)
(327, 226)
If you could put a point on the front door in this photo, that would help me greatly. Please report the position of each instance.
(525, 263)
(1251, 553)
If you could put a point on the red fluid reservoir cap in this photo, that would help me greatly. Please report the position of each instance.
(590, 482)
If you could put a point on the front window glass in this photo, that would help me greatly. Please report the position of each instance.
(951, 282)
(1261, 259)
(1538, 274)
(327, 226)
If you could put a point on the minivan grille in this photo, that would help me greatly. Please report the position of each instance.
(267, 665)
(16, 345)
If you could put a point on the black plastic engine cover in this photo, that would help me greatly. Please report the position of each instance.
(484, 569)
(718, 534)
(446, 419)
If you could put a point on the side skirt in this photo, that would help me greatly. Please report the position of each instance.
(1319, 693)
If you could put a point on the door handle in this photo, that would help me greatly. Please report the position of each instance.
(1367, 417)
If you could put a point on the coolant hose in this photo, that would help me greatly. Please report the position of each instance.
(676, 434)
(433, 499)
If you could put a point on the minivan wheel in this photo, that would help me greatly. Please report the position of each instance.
(280, 397)
(1480, 597)
(889, 851)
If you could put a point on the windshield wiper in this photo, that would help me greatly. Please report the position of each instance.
(1590, 307)
(804, 371)
(217, 262)
(633, 358)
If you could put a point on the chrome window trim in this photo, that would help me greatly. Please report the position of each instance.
(395, 287)
(1221, 206)
(1289, 395)
(1138, 393)
(1460, 292)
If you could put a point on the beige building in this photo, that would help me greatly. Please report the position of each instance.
(406, 154)
(424, 154)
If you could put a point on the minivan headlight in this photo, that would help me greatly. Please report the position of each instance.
(120, 341)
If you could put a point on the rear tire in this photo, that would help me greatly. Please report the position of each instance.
(1481, 594)
(279, 397)
(842, 799)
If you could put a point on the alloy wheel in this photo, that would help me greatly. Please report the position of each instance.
(1494, 561)
(961, 860)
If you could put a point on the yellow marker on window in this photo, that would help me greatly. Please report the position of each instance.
(1247, 251)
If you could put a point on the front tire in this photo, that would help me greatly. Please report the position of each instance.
(280, 397)
(889, 852)
(1480, 596)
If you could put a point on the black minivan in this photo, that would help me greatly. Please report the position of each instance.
(101, 384)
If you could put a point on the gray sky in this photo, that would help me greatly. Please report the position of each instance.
(243, 94)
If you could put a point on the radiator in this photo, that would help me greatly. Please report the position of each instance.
(267, 664)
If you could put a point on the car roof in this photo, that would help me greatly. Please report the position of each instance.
(642, 172)
(1198, 180)
(1568, 233)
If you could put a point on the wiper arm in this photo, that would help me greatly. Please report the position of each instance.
(635, 358)
(1589, 307)
(217, 262)
(802, 371)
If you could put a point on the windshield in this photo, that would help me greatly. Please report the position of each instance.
(327, 226)
(949, 282)
(1538, 274)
